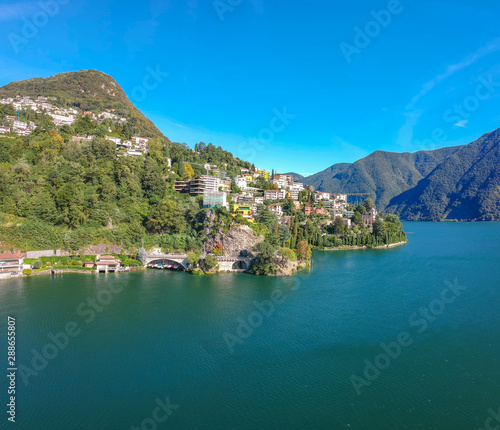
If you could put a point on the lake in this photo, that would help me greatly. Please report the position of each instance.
(405, 338)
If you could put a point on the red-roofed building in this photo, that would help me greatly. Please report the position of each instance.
(12, 263)
(107, 263)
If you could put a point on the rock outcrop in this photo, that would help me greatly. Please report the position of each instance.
(240, 240)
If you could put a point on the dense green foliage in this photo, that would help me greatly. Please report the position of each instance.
(318, 232)
(57, 193)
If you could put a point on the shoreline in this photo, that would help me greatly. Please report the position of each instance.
(352, 248)
(284, 272)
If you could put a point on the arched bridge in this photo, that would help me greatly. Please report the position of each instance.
(168, 259)
(226, 264)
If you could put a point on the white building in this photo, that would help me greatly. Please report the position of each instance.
(139, 140)
(259, 200)
(295, 188)
(211, 183)
(87, 138)
(107, 115)
(115, 140)
(20, 125)
(318, 195)
(277, 209)
(274, 195)
(62, 119)
(135, 152)
(241, 183)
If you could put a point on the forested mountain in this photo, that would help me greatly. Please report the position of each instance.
(57, 191)
(465, 186)
(382, 174)
(86, 90)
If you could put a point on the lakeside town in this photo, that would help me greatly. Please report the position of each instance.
(244, 193)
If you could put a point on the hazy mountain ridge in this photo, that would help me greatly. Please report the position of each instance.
(466, 186)
(382, 174)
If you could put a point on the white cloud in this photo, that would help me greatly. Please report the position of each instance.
(412, 114)
(462, 123)
(489, 48)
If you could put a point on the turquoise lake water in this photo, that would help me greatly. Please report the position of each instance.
(229, 357)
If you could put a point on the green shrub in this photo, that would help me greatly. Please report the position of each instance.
(28, 272)
(37, 265)
(197, 272)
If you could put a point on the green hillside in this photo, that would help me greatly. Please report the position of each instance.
(382, 174)
(466, 186)
(87, 90)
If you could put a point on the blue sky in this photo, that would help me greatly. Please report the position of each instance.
(294, 86)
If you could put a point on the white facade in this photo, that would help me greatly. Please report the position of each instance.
(115, 140)
(211, 183)
(139, 140)
(241, 183)
(274, 195)
(318, 195)
(277, 209)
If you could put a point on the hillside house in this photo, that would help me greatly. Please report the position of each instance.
(107, 263)
(274, 195)
(370, 217)
(11, 263)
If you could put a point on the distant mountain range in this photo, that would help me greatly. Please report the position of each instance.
(454, 183)
(88, 90)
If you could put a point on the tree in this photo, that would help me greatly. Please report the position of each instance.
(210, 262)
(153, 182)
(193, 258)
(304, 250)
(155, 148)
(103, 148)
(167, 216)
(338, 226)
(304, 196)
(361, 209)
(234, 188)
(284, 234)
(142, 256)
(181, 169)
(188, 170)
(369, 204)
(357, 218)
(287, 254)
(379, 228)
(264, 262)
